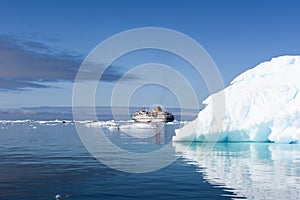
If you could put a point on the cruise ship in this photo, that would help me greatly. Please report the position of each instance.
(157, 115)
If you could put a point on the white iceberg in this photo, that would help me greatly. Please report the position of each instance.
(261, 104)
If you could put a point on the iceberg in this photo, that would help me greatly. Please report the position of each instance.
(261, 105)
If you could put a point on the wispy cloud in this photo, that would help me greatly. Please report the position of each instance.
(26, 64)
(8, 84)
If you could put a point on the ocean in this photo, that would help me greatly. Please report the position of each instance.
(43, 159)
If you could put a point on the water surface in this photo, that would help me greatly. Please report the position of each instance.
(252, 170)
(40, 160)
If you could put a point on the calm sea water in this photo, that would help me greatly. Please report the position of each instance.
(41, 160)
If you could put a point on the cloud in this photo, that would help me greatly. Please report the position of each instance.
(27, 64)
(6, 84)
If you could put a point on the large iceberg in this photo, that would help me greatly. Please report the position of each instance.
(261, 104)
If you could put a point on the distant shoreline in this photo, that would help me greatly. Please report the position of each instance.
(65, 113)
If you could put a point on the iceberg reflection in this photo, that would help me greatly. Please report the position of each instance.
(252, 170)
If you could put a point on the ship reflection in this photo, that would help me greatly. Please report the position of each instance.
(155, 132)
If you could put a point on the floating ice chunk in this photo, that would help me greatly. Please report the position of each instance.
(261, 104)
(111, 125)
(58, 197)
(137, 126)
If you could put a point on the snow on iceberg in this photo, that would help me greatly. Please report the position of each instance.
(261, 104)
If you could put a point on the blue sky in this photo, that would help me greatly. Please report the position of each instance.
(42, 43)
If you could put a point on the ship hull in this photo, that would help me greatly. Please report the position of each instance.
(148, 118)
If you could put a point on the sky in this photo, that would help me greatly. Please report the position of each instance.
(43, 43)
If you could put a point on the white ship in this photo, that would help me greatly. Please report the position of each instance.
(158, 115)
